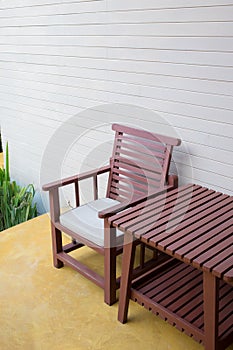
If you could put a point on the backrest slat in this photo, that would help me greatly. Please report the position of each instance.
(139, 168)
(140, 162)
(119, 180)
(149, 145)
(147, 135)
(139, 155)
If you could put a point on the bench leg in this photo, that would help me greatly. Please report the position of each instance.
(110, 276)
(110, 284)
(56, 246)
(126, 276)
(211, 307)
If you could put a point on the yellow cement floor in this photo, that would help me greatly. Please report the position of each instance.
(45, 308)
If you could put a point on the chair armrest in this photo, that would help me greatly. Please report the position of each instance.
(75, 178)
(124, 205)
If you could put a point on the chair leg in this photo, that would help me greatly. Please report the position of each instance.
(56, 245)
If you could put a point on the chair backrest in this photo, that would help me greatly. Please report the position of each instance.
(140, 162)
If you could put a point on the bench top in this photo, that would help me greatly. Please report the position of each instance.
(191, 223)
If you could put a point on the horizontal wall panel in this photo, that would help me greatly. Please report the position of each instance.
(163, 4)
(67, 97)
(120, 4)
(123, 64)
(69, 69)
(188, 135)
(119, 59)
(6, 4)
(173, 56)
(222, 189)
(85, 75)
(172, 13)
(102, 91)
(183, 31)
(204, 99)
(197, 150)
(209, 177)
(180, 123)
(209, 165)
(121, 52)
(189, 16)
(51, 8)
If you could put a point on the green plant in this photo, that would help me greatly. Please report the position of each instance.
(15, 201)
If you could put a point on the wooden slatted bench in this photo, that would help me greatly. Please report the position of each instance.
(194, 289)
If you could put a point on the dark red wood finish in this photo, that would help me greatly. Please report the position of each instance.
(194, 290)
(138, 170)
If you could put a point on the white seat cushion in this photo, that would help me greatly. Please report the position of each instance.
(85, 222)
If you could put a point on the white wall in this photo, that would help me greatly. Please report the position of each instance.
(173, 58)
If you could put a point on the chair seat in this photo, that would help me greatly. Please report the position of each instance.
(85, 222)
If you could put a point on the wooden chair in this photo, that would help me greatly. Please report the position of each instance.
(138, 169)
